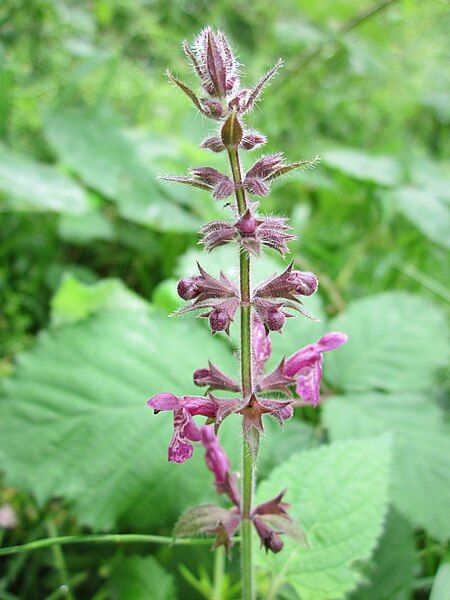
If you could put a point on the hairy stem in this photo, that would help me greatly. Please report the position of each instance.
(246, 377)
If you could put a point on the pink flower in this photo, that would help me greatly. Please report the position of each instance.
(185, 429)
(306, 365)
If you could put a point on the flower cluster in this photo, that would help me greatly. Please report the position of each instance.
(263, 309)
(270, 519)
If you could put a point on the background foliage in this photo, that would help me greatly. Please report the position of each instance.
(92, 244)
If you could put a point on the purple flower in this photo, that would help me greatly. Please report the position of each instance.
(306, 365)
(185, 429)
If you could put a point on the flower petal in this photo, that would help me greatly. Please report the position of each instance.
(164, 401)
(308, 383)
(330, 341)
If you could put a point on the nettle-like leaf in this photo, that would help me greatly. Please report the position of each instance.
(339, 495)
(421, 450)
(381, 170)
(396, 342)
(140, 578)
(107, 159)
(391, 571)
(33, 186)
(74, 424)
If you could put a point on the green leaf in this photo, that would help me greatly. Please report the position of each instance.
(426, 211)
(34, 186)
(421, 450)
(441, 585)
(140, 578)
(74, 424)
(391, 571)
(105, 158)
(200, 519)
(381, 170)
(396, 343)
(74, 300)
(338, 494)
(83, 229)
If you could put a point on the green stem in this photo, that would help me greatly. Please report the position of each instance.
(248, 592)
(108, 538)
(60, 562)
(219, 571)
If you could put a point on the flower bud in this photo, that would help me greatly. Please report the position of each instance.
(275, 319)
(268, 536)
(247, 224)
(187, 288)
(305, 283)
(252, 139)
(219, 320)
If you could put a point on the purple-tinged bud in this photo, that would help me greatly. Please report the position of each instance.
(275, 319)
(268, 536)
(213, 378)
(223, 189)
(219, 320)
(252, 139)
(256, 185)
(187, 288)
(213, 143)
(305, 283)
(212, 108)
(247, 224)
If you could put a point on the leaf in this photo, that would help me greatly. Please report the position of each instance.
(83, 229)
(73, 420)
(74, 300)
(426, 211)
(200, 519)
(106, 159)
(140, 578)
(396, 342)
(34, 186)
(421, 450)
(441, 584)
(338, 494)
(391, 571)
(381, 170)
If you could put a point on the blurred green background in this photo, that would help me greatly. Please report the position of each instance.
(92, 244)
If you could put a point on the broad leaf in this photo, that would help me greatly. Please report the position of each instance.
(74, 300)
(381, 170)
(34, 186)
(391, 571)
(421, 450)
(73, 420)
(104, 156)
(339, 496)
(396, 341)
(140, 578)
(426, 211)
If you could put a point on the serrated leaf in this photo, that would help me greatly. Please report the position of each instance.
(73, 420)
(34, 186)
(140, 578)
(426, 211)
(421, 450)
(338, 494)
(391, 571)
(396, 342)
(104, 157)
(200, 519)
(381, 170)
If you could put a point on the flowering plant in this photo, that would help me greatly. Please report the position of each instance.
(262, 310)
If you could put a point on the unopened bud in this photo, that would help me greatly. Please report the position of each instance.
(219, 320)
(247, 224)
(187, 288)
(305, 283)
(275, 319)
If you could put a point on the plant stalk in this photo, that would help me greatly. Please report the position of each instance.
(248, 591)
